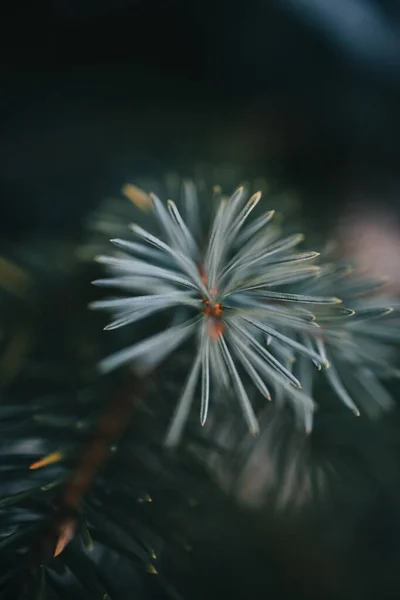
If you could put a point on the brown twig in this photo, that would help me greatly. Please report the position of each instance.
(112, 425)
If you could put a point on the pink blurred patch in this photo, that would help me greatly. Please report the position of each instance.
(371, 237)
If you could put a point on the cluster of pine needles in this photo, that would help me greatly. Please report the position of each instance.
(108, 481)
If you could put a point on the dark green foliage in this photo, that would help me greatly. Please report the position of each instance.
(151, 523)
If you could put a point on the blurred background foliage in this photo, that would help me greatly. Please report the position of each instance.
(94, 94)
